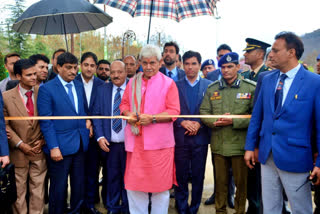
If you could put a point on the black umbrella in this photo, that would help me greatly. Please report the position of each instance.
(48, 17)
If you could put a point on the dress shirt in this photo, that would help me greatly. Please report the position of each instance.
(288, 81)
(174, 75)
(194, 83)
(23, 92)
(117, 137)
(74, 92)
(24, 96)
(87, 88)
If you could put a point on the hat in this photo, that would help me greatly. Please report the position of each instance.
(318, 57)
(207, 62)
(253, 44)
(231, 57)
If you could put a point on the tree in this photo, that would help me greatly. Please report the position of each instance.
(2, 68)
(18, 42)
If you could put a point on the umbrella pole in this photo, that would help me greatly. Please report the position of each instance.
(65, 33)
(150, 21)
(66, 39)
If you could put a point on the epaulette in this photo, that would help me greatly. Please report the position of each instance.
(250, 82)
(212, 84)
(244, 71)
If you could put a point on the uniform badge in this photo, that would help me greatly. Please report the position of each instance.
(228, 58)
(244, 96)
(215, 96)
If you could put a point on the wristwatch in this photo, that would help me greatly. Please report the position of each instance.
(154, 121)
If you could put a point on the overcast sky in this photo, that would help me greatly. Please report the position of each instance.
(260, 19)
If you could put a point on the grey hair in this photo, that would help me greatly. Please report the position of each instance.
(150, 51)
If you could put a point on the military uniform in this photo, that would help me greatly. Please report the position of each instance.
(251, 75)
(227, 142)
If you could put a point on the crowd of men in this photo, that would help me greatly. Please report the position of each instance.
(143, 151)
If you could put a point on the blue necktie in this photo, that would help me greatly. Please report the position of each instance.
(116, 123)
(279, 94)
(170, 74)
(70, 94)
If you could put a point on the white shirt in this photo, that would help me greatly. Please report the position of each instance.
(24, 96)
(288, 81)
(87, 88)
(194, 83)
(74, 92)
(117, 137)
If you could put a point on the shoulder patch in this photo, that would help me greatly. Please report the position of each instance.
(250, 82)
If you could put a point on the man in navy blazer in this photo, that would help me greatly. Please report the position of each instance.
(285, 115)
(4, 149)
(111, 137)
(191, 136)
(88, 65)
(66, 140)
(170, 55)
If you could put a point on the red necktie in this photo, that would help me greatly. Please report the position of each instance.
(29, 104)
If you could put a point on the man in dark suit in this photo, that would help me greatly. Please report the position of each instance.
(170, 55)
(4, 149)
(66, 140)
(283, 119)
(103, 70)
(191, 136)
(53, 71)
(110, 136)
(216, 74)
(90, 84)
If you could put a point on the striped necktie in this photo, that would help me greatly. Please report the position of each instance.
(117, 123)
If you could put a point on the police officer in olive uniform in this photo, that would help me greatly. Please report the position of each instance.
(229, 95)
(254, 56)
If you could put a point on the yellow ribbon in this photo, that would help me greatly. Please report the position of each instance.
(120, 117)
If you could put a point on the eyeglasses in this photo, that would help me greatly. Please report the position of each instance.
(106, 69)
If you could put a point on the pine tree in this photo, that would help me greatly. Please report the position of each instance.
(18, 42)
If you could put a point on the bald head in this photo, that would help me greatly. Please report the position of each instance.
(130, 65)
(118, 73)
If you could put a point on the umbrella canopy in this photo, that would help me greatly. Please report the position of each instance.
(48, 17)
(171, 9)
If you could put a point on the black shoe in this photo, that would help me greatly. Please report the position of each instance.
(91, 211)
(210, 200)
(231, 201)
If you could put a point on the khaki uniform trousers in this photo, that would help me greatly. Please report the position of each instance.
(240, 174)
